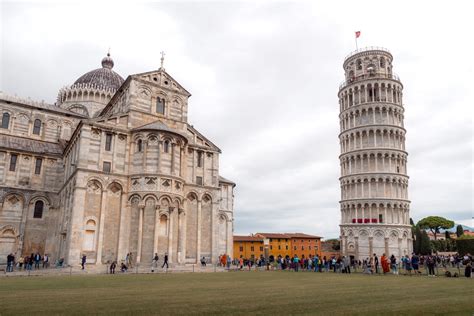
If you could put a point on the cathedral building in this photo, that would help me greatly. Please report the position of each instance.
(374, 182)
(113, 167)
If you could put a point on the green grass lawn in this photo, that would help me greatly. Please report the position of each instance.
(261, 293)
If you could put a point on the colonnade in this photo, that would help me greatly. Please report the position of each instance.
(387, 187)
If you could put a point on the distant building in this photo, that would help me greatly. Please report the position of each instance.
(248, 247)
(276, 245)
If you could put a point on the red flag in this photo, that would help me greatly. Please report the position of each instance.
(357, 34)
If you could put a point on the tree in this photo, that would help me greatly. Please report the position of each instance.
(459, 231)
(435, 223)
(425, 244)
(416, 239)
(447, 235)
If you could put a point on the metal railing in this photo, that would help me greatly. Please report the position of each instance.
(365, 49)
(368, 76)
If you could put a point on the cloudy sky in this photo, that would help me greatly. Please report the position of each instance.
(264, 78)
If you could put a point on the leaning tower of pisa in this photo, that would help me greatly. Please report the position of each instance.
(374, 181)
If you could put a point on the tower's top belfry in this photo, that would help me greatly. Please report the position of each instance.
(369, 62)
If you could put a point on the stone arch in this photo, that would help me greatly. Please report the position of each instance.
(13, 204)
(8, 240)
(150, 196)
(165, 201)
(113, 207)
(134, 198)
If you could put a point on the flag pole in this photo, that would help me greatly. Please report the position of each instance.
(357, 47)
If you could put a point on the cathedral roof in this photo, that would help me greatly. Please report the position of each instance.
(160, 126)
(102, 78)
(224, 180)
(30, 145)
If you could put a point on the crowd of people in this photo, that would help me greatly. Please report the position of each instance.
(408, 265)
(33, 261)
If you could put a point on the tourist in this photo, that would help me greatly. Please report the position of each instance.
(415, 263)
(112, 267)
(203, 262)
(26, 262)
(10, 262)
(316, 263)
(408, 266)
(468, 270)
(241, 263)
(37, 259)
(393, 264)
(45, 261)
(430, 263)
(376, 263)
(60, 262)
(347, 265)
(21, 260)
(229, 261)
(296, 262)
(154, 262)
(385, 264)
(165, 262)
(123, 267)
(83, 261)
(129, 260)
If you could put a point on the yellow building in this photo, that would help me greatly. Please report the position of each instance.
(278, 244)
(248, 247)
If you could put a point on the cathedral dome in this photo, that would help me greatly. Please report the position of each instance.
(102, 78)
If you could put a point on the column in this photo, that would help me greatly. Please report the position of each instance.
(155, 231)
(371, 246)
(345, 246)
(145, 150)
(356, 238)
(181, 162)
(101, 227)
(181, 241)
(198, 239)
(124, 230)
(172, 158)
(141, 210)
(400, 247)
(386, 246)
(229, 242)
(170, 233)
(159, 156)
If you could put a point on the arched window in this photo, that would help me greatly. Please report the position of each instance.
(351, 75)
(37, 127)
(139, 145)
(5, 120)
(166, 146)
(359, 64)
(160, 105)
(38, 213)
(382, 62)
